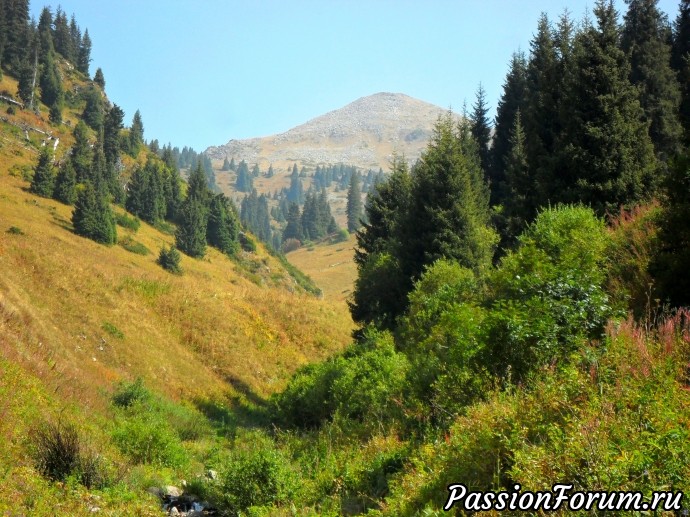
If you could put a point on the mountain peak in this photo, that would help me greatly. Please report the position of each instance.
(364, 133)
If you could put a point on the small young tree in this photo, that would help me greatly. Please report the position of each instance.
(43, 181)
(66, 184)
(169, 259)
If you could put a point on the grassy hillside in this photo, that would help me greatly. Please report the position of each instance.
(330, 265)
(77, 317)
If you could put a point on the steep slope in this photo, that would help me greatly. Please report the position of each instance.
(364, 133)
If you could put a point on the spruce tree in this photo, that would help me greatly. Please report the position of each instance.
(81, 155)
(99, 78)
(512, 100)
(680, 61)
(226, 165)
(645, 39)
(244, 182)
(223, 226)
(381, 288)
(66, 184)
(354, 204)
(136, 134)
(92, 216)
(43, 181)
(84, 54)
(295, 193)
(481, 130)
(293, 229)
(518, 209)
(449, 213)
(190, 237)
(16, 34)
(608, 159)
(112, 125)
(93, 113)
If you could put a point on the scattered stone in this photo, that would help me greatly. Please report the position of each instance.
(212, 474)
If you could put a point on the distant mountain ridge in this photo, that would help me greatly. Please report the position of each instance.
(365, 133)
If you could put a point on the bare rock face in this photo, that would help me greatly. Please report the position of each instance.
(364, 133)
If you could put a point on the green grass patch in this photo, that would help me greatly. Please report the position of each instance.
(149, 289)
(112, 330)
(130, 223)
(134, 246)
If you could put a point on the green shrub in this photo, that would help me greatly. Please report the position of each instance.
(342, 235)
(548, 295)
(133, 246)
(15, 230)
(127, 393)
(131, 223)
(169, 259)
(146, 437)
(257, 476)
(247, 243)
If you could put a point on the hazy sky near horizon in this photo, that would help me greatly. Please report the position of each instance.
(205, 72)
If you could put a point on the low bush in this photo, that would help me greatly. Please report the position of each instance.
(130, 223)
(247, 243)
(133, 246)
(169, 259)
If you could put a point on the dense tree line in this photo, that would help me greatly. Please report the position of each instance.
(593, 115)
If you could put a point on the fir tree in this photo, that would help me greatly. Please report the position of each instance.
(448, 215)
(680, 61)
(512, 100)
(380, 292)
(226, 165)
(293, 229)
(354, 204)
(93, 113)
(223, 225)
(136, 134)
(66, 184)
(61, 36)
(16, 34)
(99, 78)
(518, 209)
(645, 40)
(112, 125)
(92, 216)
(295, 193)
(190, 237)
(608, 160)
(43, 182)
(244, 182)
(81, 156)
(481, 130)
(84, 54)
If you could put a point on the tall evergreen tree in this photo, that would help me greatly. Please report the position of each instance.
(81, 155)
(136, 134)
(512, 100)
(354, 204)
(680, 61)
(381, 288)
(293, 230)
(84, 54)
(481, 130)
(62, 39)
(645, 39)
(608, 160)
(16, 41)
(295, 193)
(244, 182)
(93, 113)
(112, 125)
(66, 184)
(223, 225)
(43, 181)
(518, 207)
(92, 216)
(190, 237)
(449, 210)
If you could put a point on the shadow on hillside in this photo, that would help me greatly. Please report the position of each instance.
(246, 409)
(63, 223)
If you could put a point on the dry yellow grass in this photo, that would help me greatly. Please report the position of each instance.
(66, 300)
(331, 266)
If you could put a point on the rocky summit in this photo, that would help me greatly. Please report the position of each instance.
(365, 133)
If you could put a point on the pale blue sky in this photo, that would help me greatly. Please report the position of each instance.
(203, 72)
